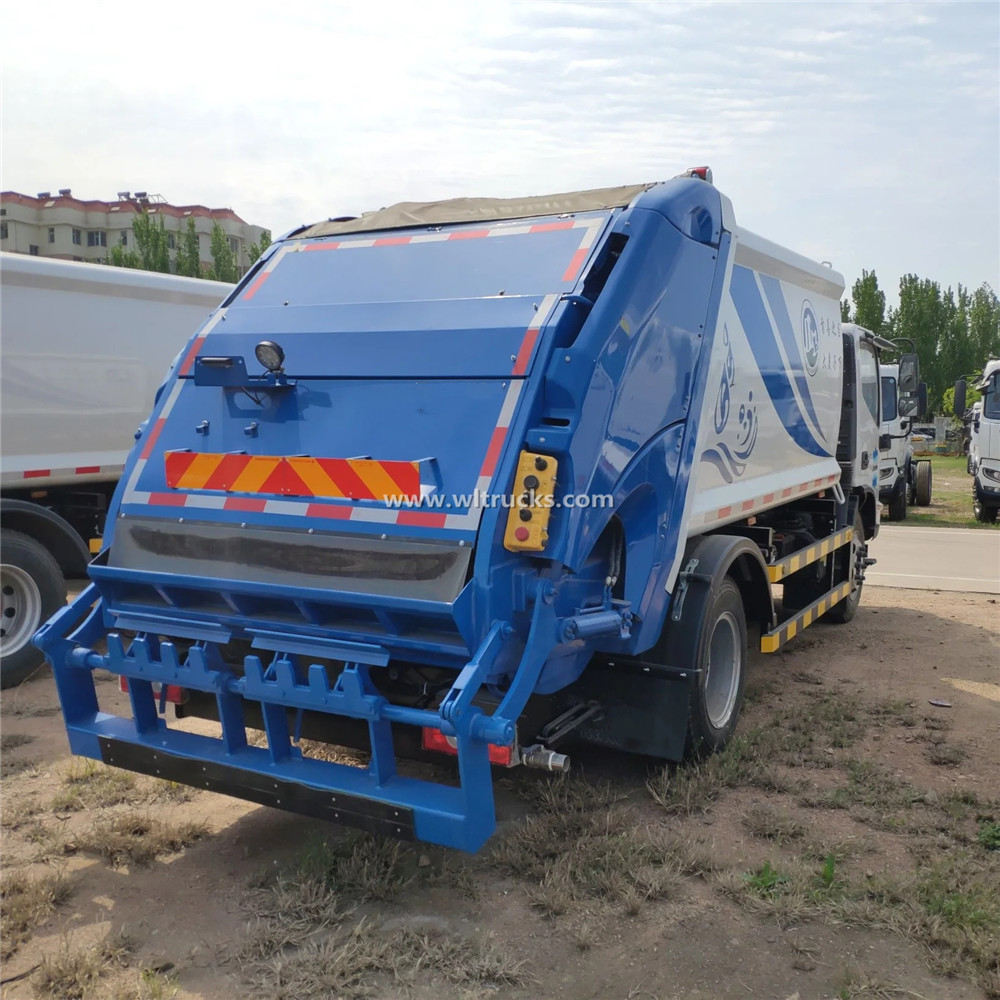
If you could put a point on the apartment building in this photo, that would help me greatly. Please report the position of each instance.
(71, 228)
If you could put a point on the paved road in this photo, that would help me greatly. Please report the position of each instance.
(966, 559)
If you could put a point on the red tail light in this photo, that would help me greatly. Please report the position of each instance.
(434, 739)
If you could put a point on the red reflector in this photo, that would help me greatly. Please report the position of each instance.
(175, 693)
(434, 739)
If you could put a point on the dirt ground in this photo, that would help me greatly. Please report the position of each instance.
(846, 845)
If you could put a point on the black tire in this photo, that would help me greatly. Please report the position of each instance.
(982, 513)
(924, 478)
(33, 589)
(897, 504)
(852, 558)
(717, 697)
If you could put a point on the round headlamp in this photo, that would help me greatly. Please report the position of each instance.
(270, 355)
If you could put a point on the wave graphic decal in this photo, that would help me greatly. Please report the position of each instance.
(761, 337)
(772, 290)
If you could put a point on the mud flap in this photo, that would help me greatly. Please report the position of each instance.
(645, 706)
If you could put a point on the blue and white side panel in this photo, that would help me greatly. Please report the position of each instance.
(768, 428)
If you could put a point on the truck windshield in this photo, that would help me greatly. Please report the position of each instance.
(991, 402)
(888, 398)
(869, 379)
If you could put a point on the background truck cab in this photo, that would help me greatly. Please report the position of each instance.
(902, 479)
(984, 447)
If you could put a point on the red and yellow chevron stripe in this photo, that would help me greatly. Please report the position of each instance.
(347, 478)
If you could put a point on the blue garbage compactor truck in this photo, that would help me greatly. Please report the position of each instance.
(480, 476)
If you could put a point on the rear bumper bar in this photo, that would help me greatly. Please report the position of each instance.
(376, 797)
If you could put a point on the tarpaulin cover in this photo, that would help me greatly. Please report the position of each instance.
(458, 210)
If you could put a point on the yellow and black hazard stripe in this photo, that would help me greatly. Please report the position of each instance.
(771, 642)
(777, 571)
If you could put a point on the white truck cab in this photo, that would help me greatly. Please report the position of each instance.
(902, 480)
(984, 444)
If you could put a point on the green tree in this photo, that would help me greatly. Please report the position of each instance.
(984, 325)
(869, 303)
(223, 259)
(152, 250)
(151, 242)
(845, 311)
(188, 260)
(255, 250)
(121, 257)
(922, 317)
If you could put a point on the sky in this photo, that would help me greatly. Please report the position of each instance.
(864, 134)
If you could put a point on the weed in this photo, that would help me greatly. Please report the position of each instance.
(989, 835)
(826, 884)
(766, 881)
(27, 901)
(154, 985)
(768, 823)
(72, 975)
(136, 838)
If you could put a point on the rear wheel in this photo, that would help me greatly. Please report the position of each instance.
(923, 487)
(722, 664)
(32, 589)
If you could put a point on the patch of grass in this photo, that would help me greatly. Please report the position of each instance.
(949, 906)
(769, 823)
(691, 788)
(874, 786)
(11, 741)
(12, 766)
(352, 963)
(26, 902)
(360, 867)
(951, 497)
(945, 754)
(894, 711)
(90, 784)
(74, 974)
(584, 844)
(136, 839)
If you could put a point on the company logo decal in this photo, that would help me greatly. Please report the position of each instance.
(810, 338)
(731, 458)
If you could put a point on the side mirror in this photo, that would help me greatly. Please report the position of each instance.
(909, 373)
(922, 400)
(908, 406)
(960, 399)
(885, 442)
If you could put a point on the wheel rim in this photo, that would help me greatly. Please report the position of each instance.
(723, 671)
(21, 609)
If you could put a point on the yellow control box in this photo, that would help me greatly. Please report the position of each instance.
(533, 500)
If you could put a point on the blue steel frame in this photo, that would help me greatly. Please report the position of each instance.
(529, 623)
